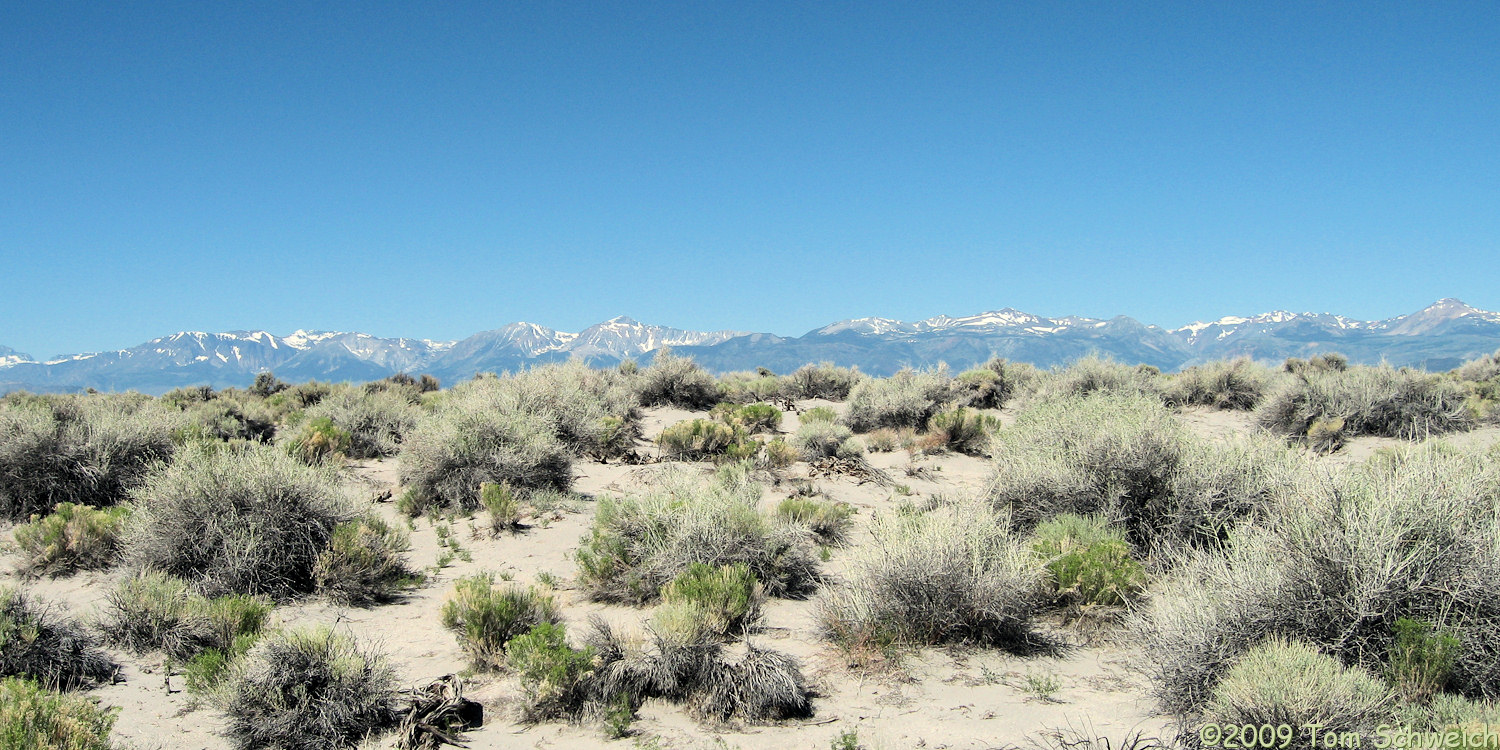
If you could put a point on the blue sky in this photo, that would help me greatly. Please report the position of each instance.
(437, 169)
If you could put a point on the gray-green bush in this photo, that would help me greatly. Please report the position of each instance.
(907, 399)
(39, 643)
(1370, 401)
(676, 381)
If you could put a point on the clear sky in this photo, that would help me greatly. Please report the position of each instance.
(438, 169)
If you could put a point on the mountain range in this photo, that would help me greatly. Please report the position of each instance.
(1439, 337)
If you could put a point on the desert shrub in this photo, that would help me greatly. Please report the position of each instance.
(779, 454)
(697, 439)
(83, 450)
(676, 381)
(554, 676)
(486, 616)
(883, 440)
(640, 542)
(39, 644)
(364, 562)
(1421, 659)
(1288, 682)
(156, 612)
(501, 505)
(1370, 401)
(479, 434)
(1408, 534)
(1217, 485)
(1329, 362)
(591, 412)
(267, 385)
(954, 573)
(249, 522)
(319, 441)
(980, 388)
(749, 387)
(1089, 561)
(298, 397)
(818, 439)
(1235, 384)
(1481, 370)
(73, 537)
(964, 430)
(307, 690)
(34, 718)
(829, 521)
(226, 417)
(376, 421)
(1093, 374)
(818, 414)
(753, 418)
(907, 399)
(823, 381)
(704, 600)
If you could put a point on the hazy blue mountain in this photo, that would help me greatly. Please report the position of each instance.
(1438, 337)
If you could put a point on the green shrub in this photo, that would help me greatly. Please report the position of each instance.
(206, 671)
(828, 521)
(320, 441)
(375, 421)
(1288, 682)
(639, 543)
(1370, 401)
(818, 414)
(591, 412)
(501, 505)
(823, 381)
(307, 690)
(964, 430)
(779, 454)
(752, 418)
(364, 562)
(697, 439)
(818, 439)
(553, 674)
(85, 450)
(153, 611)
(676, 381)
(267, 385)
(713, 601)
(1089, 561)
(39, 644)
(484, 432)
(1421, 659)
(486, 616)
(225, 417)
(951, 574)
(907, 399)
(249, 522)
(73, 537)
(1235, 384)
(33, 718)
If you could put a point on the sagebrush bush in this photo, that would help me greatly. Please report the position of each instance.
(640, 542)
(707, 601)
(229, 415)
(907, 399)
(319, 441)
(486, 616)
(829, 521)
(73, 537)
(1340, 560)
(676, 381)
(824, 381)
(377, 421)
(1369, 401)
(34, 718)
(1089, 561)
(1284, 682)
(753, 418)
(307, 690)
(38, 643)
(698, 439)
(479, 434)
(364, 562)
(952, 574)
(156, 612)
(553, 674)
(592, 412)
(249, 522)
(964, 430)
(1094, 374)
(1234, 384)
(86, 450)
(819, 439)
(749, 387)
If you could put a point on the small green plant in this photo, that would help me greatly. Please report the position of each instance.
(963, 430)
(549, 579)
(704, 600)
(154, 611)
(618, 716)
(1042, 686)
(552, 673)
(819, 414)
(365, 562)
(846, 740)
(486, 616)
(825, 552)
(778, 453)
(753, 418)
(500, 503)
(698, 439)
(73, 537)
(1089, 560)
(320, 441)
(1421, 660)
(828, 521)
(33, 718)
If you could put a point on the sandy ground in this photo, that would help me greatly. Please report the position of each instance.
(936, 698)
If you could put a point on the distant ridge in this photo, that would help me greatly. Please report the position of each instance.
(1438, 337)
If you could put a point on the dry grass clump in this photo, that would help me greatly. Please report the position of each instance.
(253, 521)
(1337, 564)
(825, 381)
(87, 450)
(486, 616)
(38, 643)
(307, 690)
(35, 718)
(676, 381)
(1366, 401)
(640, 542)
(952, 574)
(376, 420)
(1234, 384)
(963, 430)
(1094, 374)
(482, 432)
(73, 537)
(907, 399)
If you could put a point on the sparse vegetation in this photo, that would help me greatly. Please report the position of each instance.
(827, 520)
(376, 420)
(364, 562)
(819, 439)
(1235, 384)
(963, 430)
(73, 537)
(486, 616)
(34, 718)
(677, 381)
(156, 612)
(698, 439)
(823, 381)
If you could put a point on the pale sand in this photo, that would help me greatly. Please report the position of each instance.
(937, 698)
